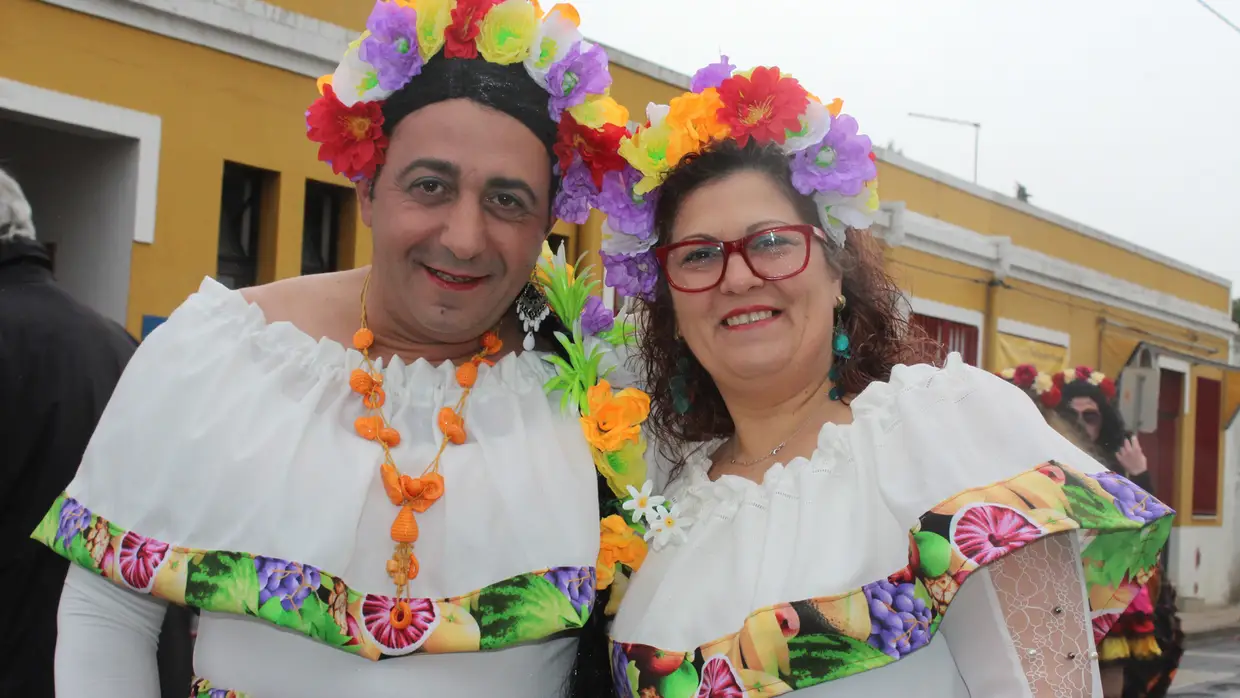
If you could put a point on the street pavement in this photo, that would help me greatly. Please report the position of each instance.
(1209, 669)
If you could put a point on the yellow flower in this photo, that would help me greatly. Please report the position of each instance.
(507, 32)
(547, 262)
(614, 418)
(1007, 374)
(618, 544)
(836, 106)
(1043, 383)
(646, 151)
(693, 122)
(599, 110)
(434, 16)
(624, 467)
(871, 203)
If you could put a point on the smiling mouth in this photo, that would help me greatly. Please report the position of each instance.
(749, 318)
(452, 278)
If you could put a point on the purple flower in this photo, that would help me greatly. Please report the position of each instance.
(290, 582)
(899, 621)
(577, 194)
(633, 276)
(595, 317)
(625, 213)
(392, 47)
(1132, 501)
(840, 163)
(74, 518)
(712, 75)
(577, 583)
(576, 75)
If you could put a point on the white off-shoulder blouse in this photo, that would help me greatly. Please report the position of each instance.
(947, 543)
(226, 474)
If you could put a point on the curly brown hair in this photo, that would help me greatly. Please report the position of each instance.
(879, 332)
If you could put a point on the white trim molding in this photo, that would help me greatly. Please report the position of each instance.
(1182, 367)
(952, 313)
(901, 227)
(995, 197)
(1037, 333)
(100, 120)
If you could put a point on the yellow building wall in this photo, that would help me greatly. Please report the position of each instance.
(932, 198)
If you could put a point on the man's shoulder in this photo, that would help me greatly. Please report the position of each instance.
(306, 301)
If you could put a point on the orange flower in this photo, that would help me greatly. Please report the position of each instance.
(694, 122)
(614, 419)
(618, 544)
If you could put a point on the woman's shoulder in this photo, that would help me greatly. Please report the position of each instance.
(313, 304)
(927, 392)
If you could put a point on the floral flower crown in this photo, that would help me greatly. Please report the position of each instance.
(829, 160)
(1048, 387)
(402, 35)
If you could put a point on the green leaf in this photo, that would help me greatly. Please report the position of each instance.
(223, 582)
(525, 609)
(313, 619)
(1093, 511)
(818, 658)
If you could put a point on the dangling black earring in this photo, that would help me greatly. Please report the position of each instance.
(532, 309)
(839, 350)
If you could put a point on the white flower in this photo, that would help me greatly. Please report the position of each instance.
(643, 504)
(355, 80)
(557, 34)
(1069, 375)
(1043, 383)
(815, 124)
(624, 244)
(1096, 378)
(668, 525)
(1008, 374)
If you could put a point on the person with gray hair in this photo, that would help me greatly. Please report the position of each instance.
(59, 362)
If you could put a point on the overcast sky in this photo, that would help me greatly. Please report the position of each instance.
(1121, 114)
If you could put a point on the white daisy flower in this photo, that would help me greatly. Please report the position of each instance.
(642, 503)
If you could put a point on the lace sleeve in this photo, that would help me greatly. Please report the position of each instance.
(1024, 630)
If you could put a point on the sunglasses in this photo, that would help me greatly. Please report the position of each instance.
(1090, 418)
(694, 266)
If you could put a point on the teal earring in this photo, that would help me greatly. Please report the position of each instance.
(679, 385)
(839, 350)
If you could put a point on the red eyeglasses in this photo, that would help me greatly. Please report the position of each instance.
(693, 266)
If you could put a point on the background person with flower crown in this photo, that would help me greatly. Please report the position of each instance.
(356, 475)
(838, 522)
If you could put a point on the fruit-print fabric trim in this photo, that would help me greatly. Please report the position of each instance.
(302, 598)
(796, 645)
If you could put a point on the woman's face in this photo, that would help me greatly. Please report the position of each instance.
(783, 325)
(1088, 414)
(459, 214)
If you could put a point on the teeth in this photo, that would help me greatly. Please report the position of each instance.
(748, 318)
(449, 277)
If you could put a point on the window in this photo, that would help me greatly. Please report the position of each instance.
(320, 239)
(1206, 448)
(949, 336)
(240, 203)
(1162, 447)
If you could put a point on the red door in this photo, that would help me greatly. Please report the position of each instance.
(1162, 447)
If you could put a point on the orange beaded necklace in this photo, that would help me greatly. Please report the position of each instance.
(409, 493)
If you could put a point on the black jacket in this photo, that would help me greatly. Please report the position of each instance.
(59, 362)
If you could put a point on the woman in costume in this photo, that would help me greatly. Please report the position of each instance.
(837, 522)
(363, 465)
(1142, 651)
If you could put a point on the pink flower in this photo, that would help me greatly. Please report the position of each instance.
(719, 680)
(377, 615)
(139, 558)
(986, 532)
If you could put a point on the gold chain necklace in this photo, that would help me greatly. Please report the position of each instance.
(409, 493)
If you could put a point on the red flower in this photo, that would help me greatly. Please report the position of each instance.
(467, 17)
(1057, 379)
(986, 532)
(764, 106)
(719, 680)
(1083, 373)
(351, 138)
(1107, 386)
(1052, 397)
(598, 148)
(140, 558)
(1025, 375)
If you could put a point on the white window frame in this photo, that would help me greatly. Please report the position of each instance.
(952, 313)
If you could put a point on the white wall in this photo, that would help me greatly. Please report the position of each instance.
(83, 192)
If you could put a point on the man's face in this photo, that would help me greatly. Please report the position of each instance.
(459, 213)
